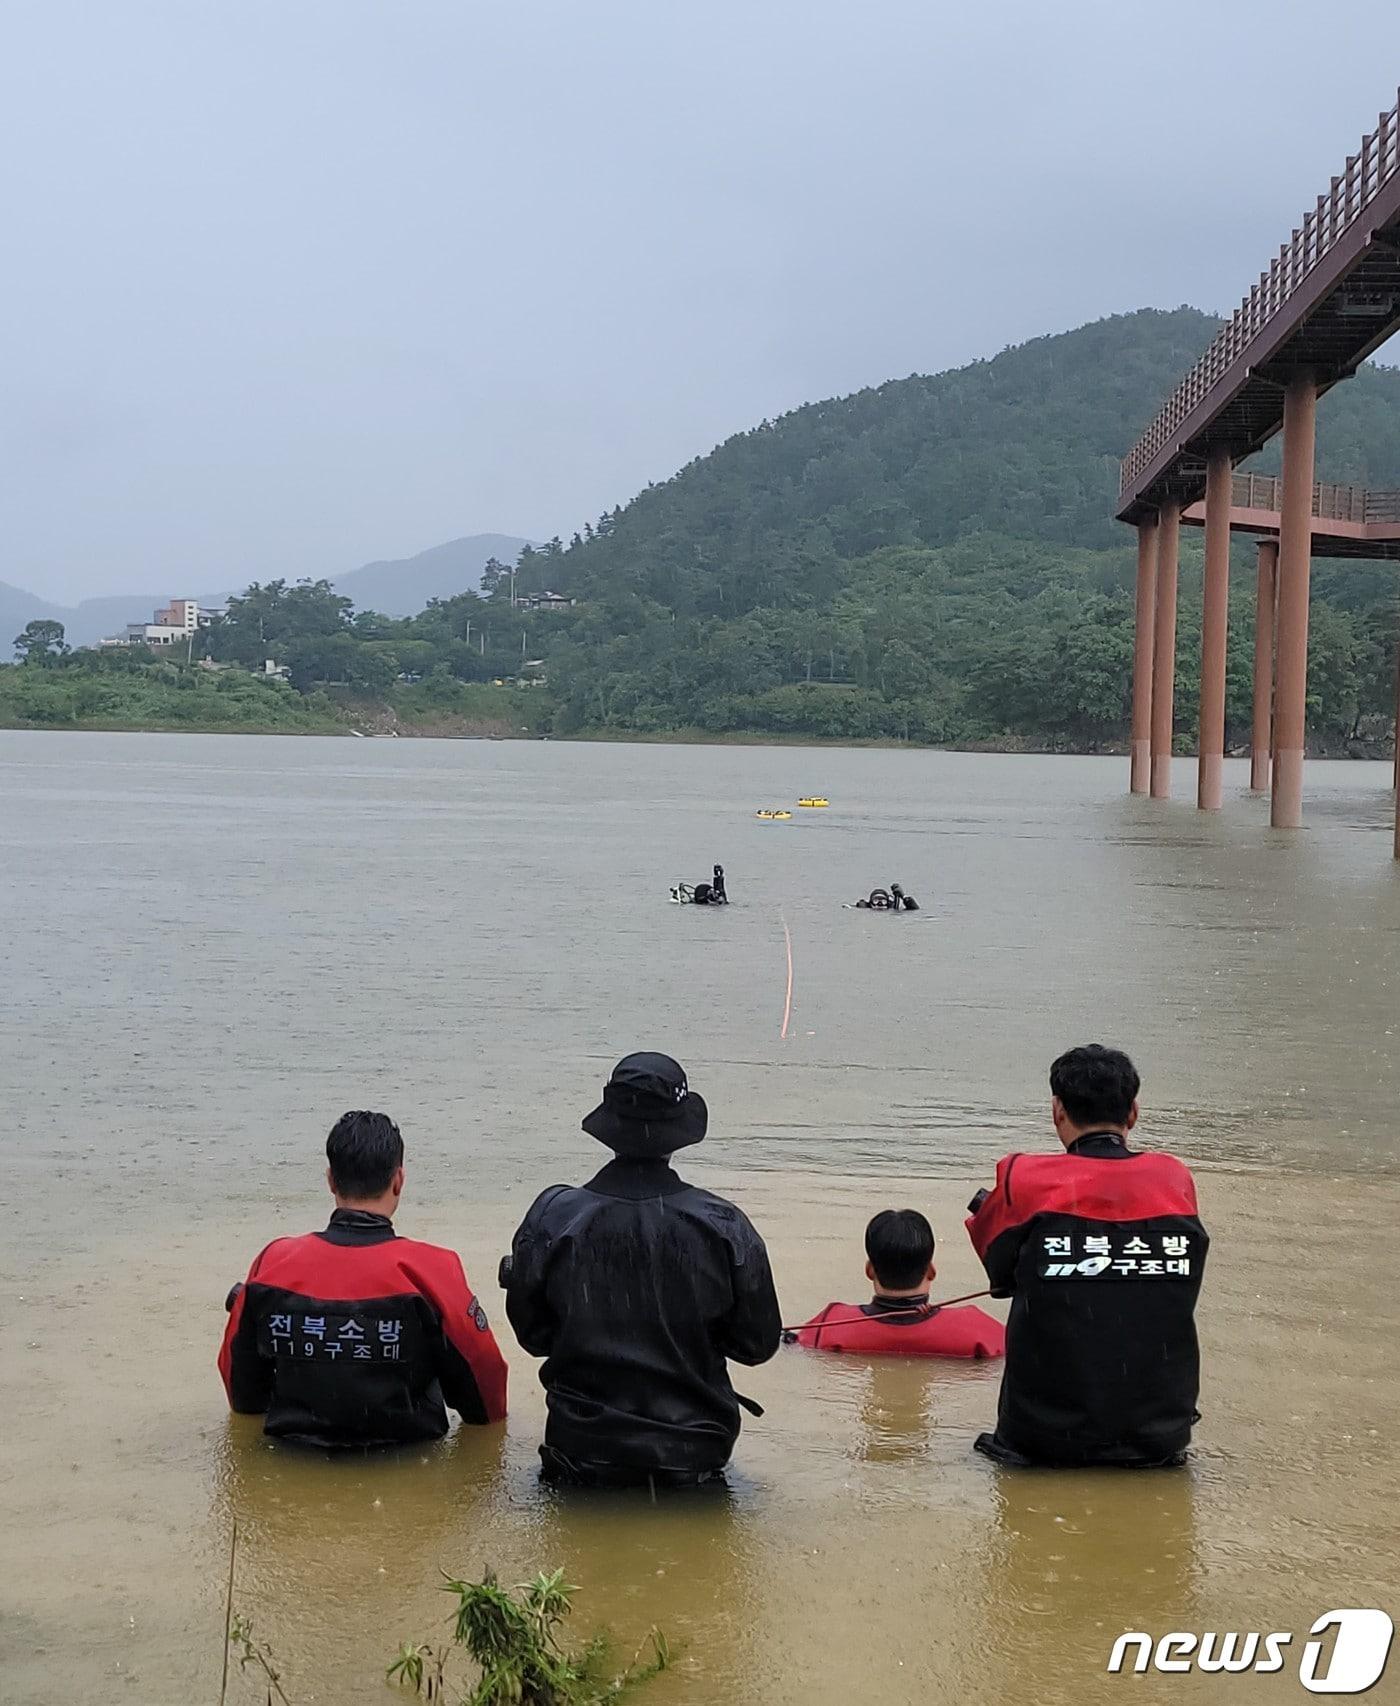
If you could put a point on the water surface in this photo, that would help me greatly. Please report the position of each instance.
(214, 945)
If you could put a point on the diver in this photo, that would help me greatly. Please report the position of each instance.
(892, 899)
(702, 894)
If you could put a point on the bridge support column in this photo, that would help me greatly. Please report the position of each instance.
(1261, 743)
(1142, 657)
(1396, 770)
(1294, 573)
(1395, 765)
(1215, 620)
(1164, 648)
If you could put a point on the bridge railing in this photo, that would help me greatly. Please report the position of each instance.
(1367, 172)
(1331, 502)
(1383, 506)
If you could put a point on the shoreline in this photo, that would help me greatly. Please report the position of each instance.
(650, 737)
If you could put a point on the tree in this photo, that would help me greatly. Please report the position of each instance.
(40, 642)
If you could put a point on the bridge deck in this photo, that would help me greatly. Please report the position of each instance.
(1348, 521)
(1329, 300)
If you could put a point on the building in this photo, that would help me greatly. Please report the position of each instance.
(549, 601)
(181, 613)
(176, 621)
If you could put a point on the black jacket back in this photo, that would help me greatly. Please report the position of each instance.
(636, 1287)
(1102, 1251)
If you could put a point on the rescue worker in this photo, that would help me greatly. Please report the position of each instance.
(719, 895)
(901, 901)
(1101, 1251)
(636, 1287)
(355, 1337)
(899, 1320)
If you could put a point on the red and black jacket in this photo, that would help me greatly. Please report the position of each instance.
(1101, 1251)
(903, 1326)
(355, 1337)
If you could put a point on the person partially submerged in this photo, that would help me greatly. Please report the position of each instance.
(899, 1320)
(354, 1337)
(636, 1288)
(712, 893)
(892, 899)
(1101, 1250)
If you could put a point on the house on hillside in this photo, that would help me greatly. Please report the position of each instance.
(549, 601)
(175, 621)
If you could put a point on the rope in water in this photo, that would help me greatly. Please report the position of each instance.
(787, 1005)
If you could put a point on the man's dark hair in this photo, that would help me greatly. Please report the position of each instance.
(1096, 1085)
(364, 1150)
(899, 1243)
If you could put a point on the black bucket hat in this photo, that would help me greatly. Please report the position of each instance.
(648, 1109)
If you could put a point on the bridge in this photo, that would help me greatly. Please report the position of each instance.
(1329, 299)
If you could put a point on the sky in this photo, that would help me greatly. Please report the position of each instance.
(291, 285)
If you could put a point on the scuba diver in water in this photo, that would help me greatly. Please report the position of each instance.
(892, 899)
(703, 894)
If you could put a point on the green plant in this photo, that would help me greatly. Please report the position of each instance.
(513, 1638)
(259, 1655)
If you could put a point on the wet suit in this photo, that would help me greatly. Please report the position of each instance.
(636, 1287)
(903, 1326)
(1101, 1250)
(355, 1337)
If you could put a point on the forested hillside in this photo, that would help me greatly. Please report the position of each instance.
(935, 559)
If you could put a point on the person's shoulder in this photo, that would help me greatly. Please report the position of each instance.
(973, 1332)
(402, 1249)
(1170, 1173)
(973, 1317)
(1167, 1162)
(808, 1334)
(279, 1250)
(719, 1212)
(556, 1200)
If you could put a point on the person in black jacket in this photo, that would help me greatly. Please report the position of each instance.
(1101, 1250)
(636, 1287)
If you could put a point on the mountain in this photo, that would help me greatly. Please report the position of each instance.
(396, 588)
(1026, 445)
(404, 585)
(941, 549)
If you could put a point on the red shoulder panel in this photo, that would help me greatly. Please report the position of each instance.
(1140, 1187)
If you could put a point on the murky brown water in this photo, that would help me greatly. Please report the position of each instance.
(213, 946)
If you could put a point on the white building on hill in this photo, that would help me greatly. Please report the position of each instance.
(177, 621)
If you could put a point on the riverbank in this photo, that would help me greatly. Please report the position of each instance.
(126, 695)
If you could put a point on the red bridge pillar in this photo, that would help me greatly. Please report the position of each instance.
(1294, 571)
(1261, 744)
(1395, 773)
(1142, 657)
(1215, 619)
(1164, 647)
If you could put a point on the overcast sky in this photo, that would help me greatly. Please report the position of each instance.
(289, 285)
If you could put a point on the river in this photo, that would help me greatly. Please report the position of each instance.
(214, 945)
